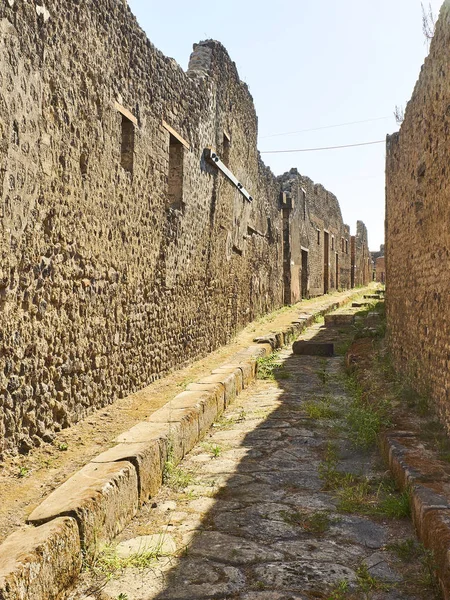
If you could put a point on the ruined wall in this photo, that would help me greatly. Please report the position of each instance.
(417, 229)
(313, 226)
(123, 252)
(380, 270)
(360, 257)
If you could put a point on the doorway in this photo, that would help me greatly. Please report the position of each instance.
(305, 279)
(337, 271)
(326, 262)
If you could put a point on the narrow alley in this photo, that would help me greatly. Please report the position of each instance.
(276, 503)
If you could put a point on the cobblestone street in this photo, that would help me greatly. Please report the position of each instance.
(252, 512)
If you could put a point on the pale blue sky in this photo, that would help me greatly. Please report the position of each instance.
(308, 64)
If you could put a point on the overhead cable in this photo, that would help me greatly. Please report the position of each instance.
(326, 127)
(326, 148)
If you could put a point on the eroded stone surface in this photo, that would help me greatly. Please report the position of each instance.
(37, 562)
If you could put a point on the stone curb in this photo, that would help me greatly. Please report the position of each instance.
(427, 480)
(95, 504)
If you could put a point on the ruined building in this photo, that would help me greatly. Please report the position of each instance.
(140, 228)
(417, 229)
(316, 241)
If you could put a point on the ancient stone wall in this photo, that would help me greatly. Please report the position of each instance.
(317, 242)
(140, 229)
(417, 229)
(124, 253)
(360, 257)
(380, 270)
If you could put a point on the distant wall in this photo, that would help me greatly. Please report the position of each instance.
(315, 237)
(360, 256)
(417, 229)
(380, 270)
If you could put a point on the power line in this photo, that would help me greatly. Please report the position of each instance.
(327, 127)
(327, 148)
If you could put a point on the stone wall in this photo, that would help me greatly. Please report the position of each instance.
(380, 270)
(360, 257)
(140, 229)
(417, 229)
(317, 242)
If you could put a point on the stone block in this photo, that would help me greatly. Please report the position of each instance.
(313, 348)
(214, 388)
(247, 369)
(235, 371)
(335, 320)
(147, 457)
(38, 563)
(169, 435)
(229, 384)
(103, 498)
(188, 431)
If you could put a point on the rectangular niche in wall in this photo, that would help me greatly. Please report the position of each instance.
(127, 149)
(176, 156)
(226, 149)
(177, 149)
(128, 126)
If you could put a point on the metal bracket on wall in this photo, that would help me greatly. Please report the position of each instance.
(214, 159)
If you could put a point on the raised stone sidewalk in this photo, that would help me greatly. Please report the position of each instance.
(247, 514)
(94, 505)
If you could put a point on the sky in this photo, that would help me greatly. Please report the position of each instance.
(312, 64)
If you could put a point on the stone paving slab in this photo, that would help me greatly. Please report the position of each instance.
(237, 521)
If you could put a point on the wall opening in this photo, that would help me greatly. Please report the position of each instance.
(176, 155)
(305, 281)
(127, 147)
(337, 270)
(326, 262)
(226, 150)
(318, 236)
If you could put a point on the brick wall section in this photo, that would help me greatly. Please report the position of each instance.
(311, 212)
(417, 229)
(124, 253)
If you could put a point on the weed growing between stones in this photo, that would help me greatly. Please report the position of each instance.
(271, 368)
(340, 591)
(174, 476)
(320, 409)
(23, 472)
(367, 583)
(362, 495)
(317, 522)
(214, 449)
(108, 562)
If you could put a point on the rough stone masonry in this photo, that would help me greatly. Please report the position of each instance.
(140, 228)
(417, 229)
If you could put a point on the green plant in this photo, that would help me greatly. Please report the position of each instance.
(405, 550)
(23, 472)
(122, 596)
(173, 476)
(340, 590)
(320, 409)
(214, 449)
(368, 583)
(63, 447)
(314, 522)
(108, 562)
(271, 367)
